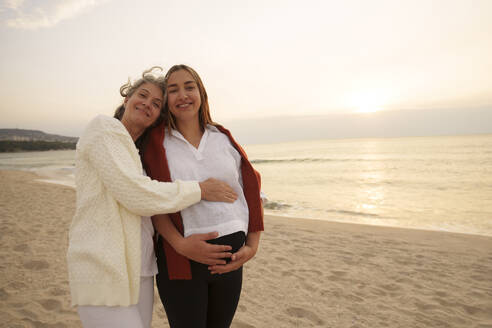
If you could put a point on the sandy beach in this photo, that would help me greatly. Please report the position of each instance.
(307, 273)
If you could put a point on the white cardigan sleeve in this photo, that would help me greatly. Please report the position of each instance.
(114, 160)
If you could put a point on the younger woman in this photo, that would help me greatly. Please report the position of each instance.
(191, 146)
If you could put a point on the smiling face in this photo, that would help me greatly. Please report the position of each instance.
(183, 96)
(143, 107)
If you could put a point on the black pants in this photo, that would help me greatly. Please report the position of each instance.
(206, 301)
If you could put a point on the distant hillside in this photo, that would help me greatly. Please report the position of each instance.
(33, 135)
(15, 140)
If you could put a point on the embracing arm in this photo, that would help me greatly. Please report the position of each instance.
(193, 247)
(117, 166)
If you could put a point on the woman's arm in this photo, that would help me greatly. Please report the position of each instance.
(111, 156)
(194, 247)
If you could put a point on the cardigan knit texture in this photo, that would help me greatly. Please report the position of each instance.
(104, 253)
(155, 162)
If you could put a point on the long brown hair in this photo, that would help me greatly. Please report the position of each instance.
(129, 88)
(204, 111)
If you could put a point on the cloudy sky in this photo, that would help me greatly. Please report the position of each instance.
(62, 61)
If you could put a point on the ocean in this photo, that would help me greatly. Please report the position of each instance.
(55, 166)
(437, 183)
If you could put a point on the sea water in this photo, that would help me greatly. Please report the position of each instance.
(55, 166)
(438, 183)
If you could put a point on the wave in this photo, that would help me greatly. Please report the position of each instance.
(271, 205)
(290, 160)
(280, 206)
(345, 212)
(343, 160)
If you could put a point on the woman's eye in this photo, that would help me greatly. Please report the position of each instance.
(190, 88)
(142, 95)
(172, 90)
(157, 105)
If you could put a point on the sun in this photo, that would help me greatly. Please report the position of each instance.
(368, 101)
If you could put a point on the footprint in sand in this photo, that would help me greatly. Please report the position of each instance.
(441, 293)
(50, 304)
(425, 306)
(27, 314)
(21, 248)
(307, 286)
(349, 260)
(354, 298)
(404, 280)
(17, 285)
(3, 294)
(57, 291)
(482, 311)
(297, 312)
(39, 324)
(283, 259)
(378, 292)
(360, 236)
(36, 265)
(368, 255)
(16, 305)
(337, 275)
(391, 287)
(315, 273)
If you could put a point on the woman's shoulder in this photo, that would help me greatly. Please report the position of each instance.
(223, 133)
(100, 126)
(217, 133)
(105, 123)
(219, 130)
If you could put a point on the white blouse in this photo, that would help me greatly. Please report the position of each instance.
(148, 259)
(214, 158)
(149, 264)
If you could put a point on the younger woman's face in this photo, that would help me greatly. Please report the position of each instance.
(183, 96)
(143, 107)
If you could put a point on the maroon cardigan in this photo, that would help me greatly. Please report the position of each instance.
(156, 167)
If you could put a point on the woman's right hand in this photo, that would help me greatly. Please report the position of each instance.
(196, 248)
(217, 191)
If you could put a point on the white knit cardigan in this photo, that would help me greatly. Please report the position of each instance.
(112, 193)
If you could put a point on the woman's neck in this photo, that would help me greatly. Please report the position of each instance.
(134, 131)
(191, 131)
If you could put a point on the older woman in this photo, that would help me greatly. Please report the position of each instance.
(110, 256)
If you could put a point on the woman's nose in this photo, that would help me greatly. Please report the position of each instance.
(147, 102)
(182, 94)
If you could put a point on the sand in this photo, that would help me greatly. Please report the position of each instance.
(307, 273)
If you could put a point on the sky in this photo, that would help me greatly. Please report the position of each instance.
(62, 61)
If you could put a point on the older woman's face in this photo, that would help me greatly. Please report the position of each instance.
(143, 107)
